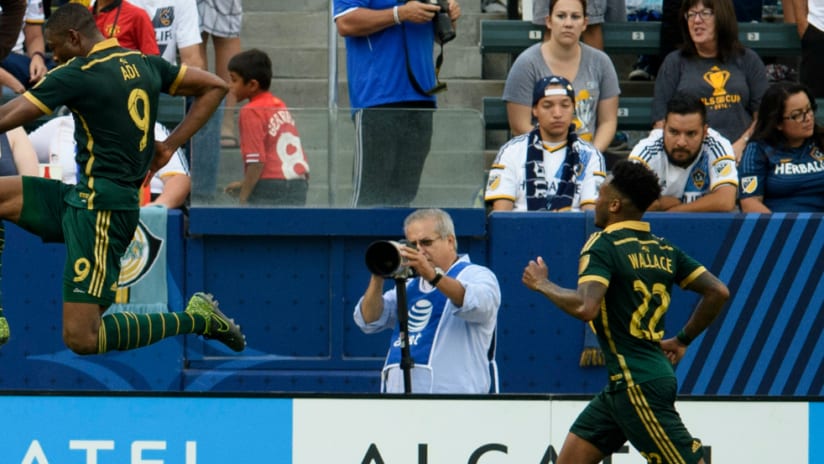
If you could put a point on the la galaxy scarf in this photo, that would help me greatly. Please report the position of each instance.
(538, 197)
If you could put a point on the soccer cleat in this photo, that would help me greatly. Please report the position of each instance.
(218, 326)
(4, 329)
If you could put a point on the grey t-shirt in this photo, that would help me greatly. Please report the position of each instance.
(731, 91)
(596, 80)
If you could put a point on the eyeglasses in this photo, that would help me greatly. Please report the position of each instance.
(424, 242)
(704, 14)
(800, 115)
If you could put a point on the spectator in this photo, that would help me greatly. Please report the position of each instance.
(597, 12)
(622, 270)
(17, 156)
(177, 30)
(54, 144)
(392, 86)
(549, 169)
(590, 71)
(809, 16)
(783, 166)
(11, 19)
(28, 62)
(127, 23)
(713, 65)
(221, 20)
(694, 163)
(274, 164)
(458, 301)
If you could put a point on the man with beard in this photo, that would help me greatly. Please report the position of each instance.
(695, 164)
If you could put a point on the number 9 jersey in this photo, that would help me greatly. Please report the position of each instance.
(639, 270)
(114, 130)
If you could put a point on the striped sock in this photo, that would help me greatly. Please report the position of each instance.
(127, 331)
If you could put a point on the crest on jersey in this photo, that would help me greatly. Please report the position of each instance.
(140, 256)
(749, 184)
(699, 178)
(817, 154)
(164, 16)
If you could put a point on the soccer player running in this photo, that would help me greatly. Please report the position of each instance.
(113, 95)
(625, 277)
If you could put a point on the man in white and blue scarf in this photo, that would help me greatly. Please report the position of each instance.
(549, 168)
(453, 312)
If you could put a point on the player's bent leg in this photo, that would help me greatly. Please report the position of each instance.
(81, 323)
(576, 450)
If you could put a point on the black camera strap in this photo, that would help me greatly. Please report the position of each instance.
(439, 86)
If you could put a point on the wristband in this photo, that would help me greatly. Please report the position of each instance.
(684, 338)
(40, 54)
(395, 15)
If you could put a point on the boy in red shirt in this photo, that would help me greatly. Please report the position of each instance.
(275, 167)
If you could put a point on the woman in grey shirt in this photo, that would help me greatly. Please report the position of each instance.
(590, 70)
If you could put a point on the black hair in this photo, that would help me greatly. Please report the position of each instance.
(684, 103)
(72, 16)
(771, 114)
(253, 64)
(726, 29)
(636, 182)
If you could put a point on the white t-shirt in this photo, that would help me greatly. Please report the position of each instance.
(176, 24)
(34, 15)
(714, 167)
(54, 143)
(507, 177)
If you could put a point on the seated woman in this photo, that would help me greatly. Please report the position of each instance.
(713, 65)
(562, 54)
(783, 166)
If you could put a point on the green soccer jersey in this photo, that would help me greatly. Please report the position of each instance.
(638, 269)
(113, 95)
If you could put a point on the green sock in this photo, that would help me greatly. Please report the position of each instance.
(127, 331)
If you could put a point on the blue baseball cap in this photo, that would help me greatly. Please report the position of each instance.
(542, 91)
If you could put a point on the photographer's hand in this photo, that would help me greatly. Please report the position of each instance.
(419, 262)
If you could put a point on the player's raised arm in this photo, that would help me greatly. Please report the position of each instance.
(208, 90)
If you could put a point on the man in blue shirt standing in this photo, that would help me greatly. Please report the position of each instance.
(392, 82)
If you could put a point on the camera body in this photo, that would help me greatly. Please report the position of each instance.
(383, 258)
(444, 32)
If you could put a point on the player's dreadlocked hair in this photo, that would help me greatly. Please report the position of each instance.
(72, 16)
(638, 183)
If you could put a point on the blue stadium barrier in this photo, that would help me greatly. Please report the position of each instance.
(291, 277)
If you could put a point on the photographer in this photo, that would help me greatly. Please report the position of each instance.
(392, 82)
(453, 310)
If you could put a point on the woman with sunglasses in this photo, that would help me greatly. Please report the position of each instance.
(783, 166)
(714, 65)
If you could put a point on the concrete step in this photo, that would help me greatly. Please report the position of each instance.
(309, 28)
